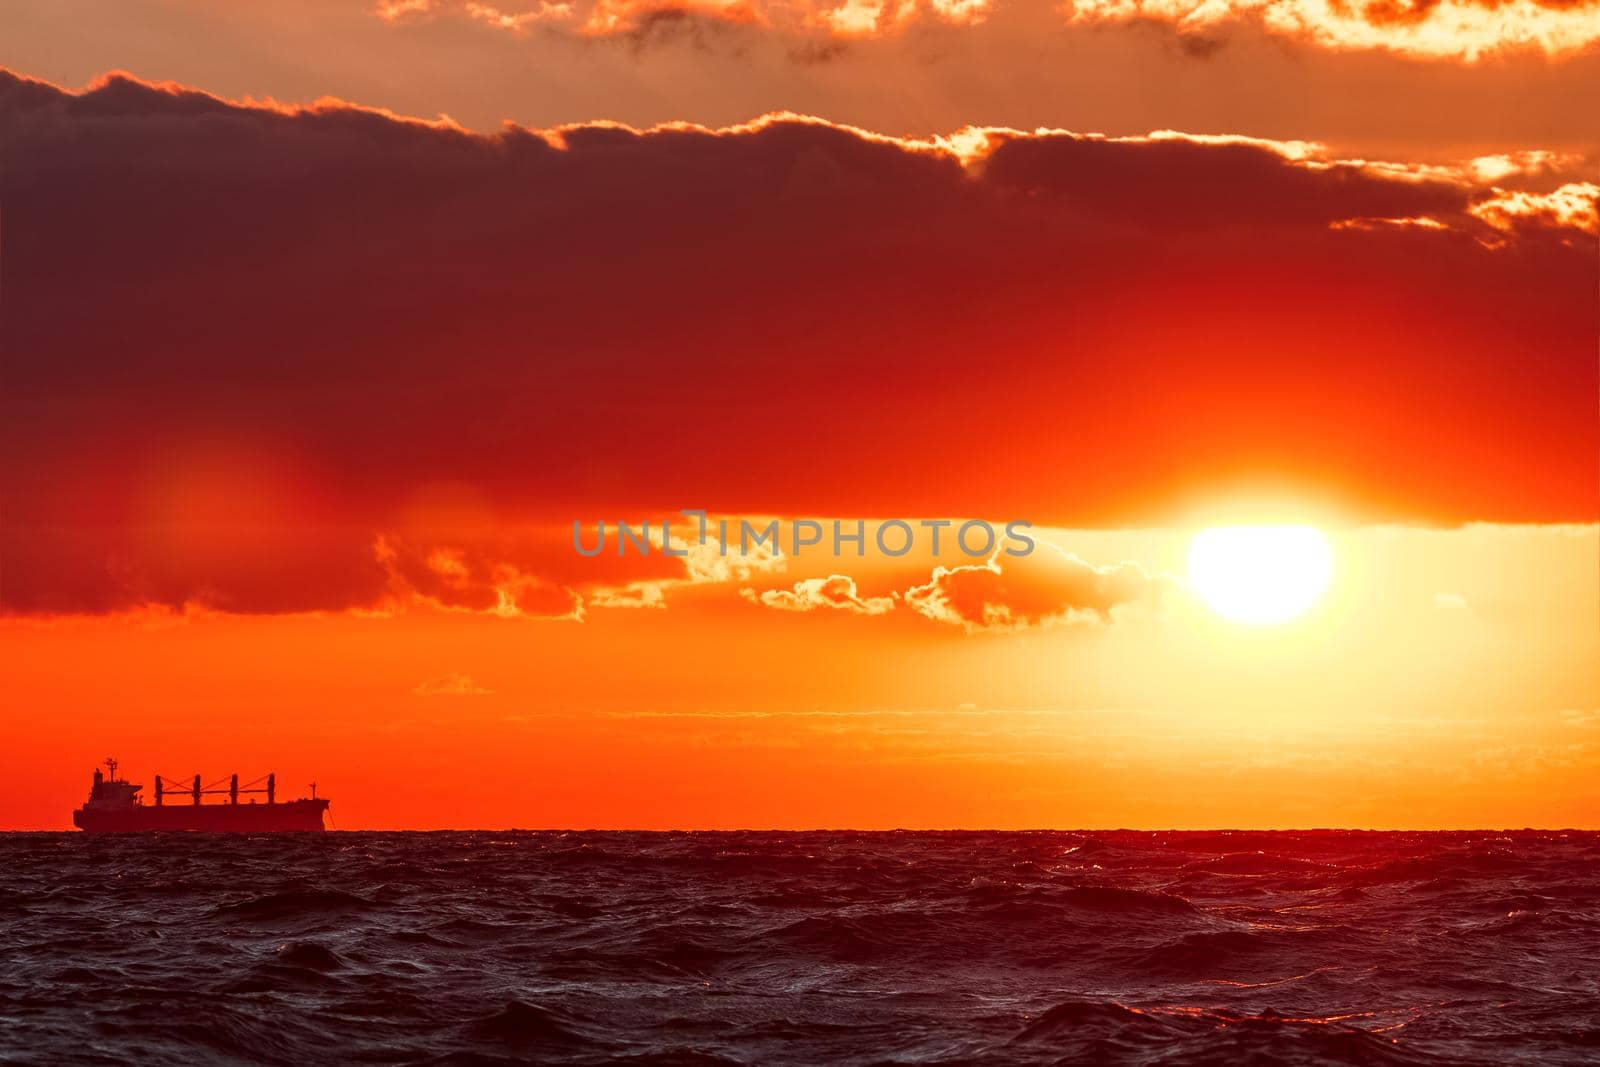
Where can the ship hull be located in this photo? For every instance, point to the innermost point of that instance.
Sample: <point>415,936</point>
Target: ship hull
<point>294,815</point>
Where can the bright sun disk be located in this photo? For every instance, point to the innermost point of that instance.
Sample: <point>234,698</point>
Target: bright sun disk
<point>1259,574</point>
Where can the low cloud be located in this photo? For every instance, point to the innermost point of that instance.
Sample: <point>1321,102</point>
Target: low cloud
<point>836,591</point>
<point>536,573</point>
<point>454,579</point>
<point>1049,586</point>
<point>1573,210</point>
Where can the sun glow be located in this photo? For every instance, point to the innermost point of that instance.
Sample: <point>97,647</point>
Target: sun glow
<point>1259,574</point>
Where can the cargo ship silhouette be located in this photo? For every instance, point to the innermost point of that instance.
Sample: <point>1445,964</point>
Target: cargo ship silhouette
<point>115,806</point>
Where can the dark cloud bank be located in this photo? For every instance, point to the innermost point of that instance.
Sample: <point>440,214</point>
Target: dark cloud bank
<point>241,343</point>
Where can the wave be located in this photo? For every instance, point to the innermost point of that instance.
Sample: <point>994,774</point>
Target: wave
<point>296,904</point>
<point>721,948</point>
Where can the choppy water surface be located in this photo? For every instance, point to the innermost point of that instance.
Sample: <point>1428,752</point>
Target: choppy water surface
<point>801,948</point>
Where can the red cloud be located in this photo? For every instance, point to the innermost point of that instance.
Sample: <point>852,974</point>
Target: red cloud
<point>242,342</point>
<point>451,579</point>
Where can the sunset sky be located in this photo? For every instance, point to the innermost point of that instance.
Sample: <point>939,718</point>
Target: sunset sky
<point>322,322</point>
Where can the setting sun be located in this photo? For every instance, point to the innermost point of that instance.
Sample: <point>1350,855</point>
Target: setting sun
<point>1259,574</point>
<point>800,531</point>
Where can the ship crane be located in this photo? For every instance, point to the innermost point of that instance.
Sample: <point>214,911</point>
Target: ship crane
<point>165,784</point>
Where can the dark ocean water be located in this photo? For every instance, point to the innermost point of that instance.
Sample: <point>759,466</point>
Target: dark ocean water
<point>807,948</point>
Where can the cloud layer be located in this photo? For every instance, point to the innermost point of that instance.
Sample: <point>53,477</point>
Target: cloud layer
<point>244,343</point>
<point>638,19</point>
<point>1465,30</point>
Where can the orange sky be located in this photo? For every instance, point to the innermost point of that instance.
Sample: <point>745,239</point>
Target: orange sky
<point>302,397</point>
<point>1449,680</point>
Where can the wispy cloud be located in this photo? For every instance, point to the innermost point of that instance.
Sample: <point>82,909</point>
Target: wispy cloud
<point>451,685</point>
<point>1468,30</point>
<point>837,591</point>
